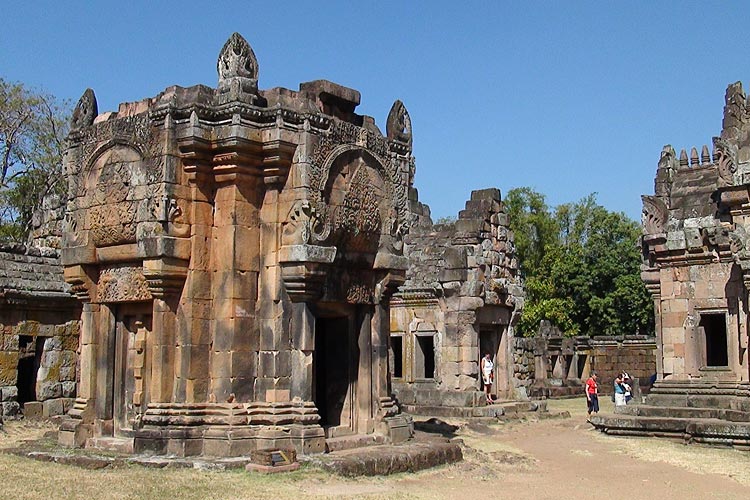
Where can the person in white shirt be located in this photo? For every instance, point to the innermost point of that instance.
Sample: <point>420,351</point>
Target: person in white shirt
<point>487,367</point>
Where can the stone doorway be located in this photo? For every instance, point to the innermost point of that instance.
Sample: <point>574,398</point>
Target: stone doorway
<point>132,322</point>
<point>494,341</point>
<point>30,351</point>
<point>335,373</point>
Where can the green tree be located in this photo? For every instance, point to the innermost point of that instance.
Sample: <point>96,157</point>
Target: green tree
<point>534,228</point>
<point>33,126</point>
<point>584,276</point>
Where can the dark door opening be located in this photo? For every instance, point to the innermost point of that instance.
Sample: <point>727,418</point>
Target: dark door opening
<point>30,351</point>
<point>424,359</point>
<point>715,330</point>
<point>397,356</point>
<point>333,371</point>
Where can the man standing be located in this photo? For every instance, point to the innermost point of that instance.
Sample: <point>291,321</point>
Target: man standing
<point>592,394</point>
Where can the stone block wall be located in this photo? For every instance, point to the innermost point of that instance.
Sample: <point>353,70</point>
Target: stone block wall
<point>50,343</point>
<point>550,365</point>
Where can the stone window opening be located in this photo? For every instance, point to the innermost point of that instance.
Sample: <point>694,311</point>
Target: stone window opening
<point>713,327</point>
<point>30,351</point>
<point>424,357</point>
<point>397,356</point>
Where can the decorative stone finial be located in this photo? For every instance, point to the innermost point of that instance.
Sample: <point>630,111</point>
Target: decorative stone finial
<point>398,127</point>
<point>237,59</point>
<point>85,111</point>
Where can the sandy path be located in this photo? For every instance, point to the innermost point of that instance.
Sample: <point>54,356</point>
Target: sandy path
<point>557,459</point>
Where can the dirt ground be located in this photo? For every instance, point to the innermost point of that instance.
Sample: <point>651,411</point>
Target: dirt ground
<point>556,458</point>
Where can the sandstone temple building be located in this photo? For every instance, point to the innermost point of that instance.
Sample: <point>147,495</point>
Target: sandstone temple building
<point>235,250</point>
<point>696,264</point>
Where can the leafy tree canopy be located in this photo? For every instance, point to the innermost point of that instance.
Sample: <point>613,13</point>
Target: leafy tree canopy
<point>33,126</point>
<point>581,265</point>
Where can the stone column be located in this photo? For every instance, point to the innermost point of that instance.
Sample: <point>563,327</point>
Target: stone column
<point>365,382</point>
<point>105,362</point>
<point>235,257</point>
<point>652,280</point>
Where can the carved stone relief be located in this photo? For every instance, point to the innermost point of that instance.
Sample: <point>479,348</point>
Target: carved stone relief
<point>111,197</point>
<point>122,283</point>
<point>398,126</point>
<point>85,111</point>
<point>654,215</point>
<point>237,59</point>
<point>305,224</point>
<point>726,160</point>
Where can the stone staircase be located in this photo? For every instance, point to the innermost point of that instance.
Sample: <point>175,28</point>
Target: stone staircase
<point>718,426</point>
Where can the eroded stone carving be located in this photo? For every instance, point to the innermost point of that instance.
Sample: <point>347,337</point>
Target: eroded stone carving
<point>85,111</point>
<point>398,126</point>
<point>122,283</point>
<point>305,224</point>
<point>237,59</point>
<point>725,153</point>
<point>654,215</point>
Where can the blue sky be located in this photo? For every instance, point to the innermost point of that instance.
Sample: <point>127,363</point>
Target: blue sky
<point>566,97</point>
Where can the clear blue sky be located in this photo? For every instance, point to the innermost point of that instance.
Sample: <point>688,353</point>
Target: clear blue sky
<point>567,97</point>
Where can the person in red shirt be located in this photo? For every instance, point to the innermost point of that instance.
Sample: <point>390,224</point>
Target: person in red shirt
<point>592,394</point>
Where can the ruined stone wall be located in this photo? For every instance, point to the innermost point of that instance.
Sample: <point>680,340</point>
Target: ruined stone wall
<point>462,282</point>
<point>551,365</point>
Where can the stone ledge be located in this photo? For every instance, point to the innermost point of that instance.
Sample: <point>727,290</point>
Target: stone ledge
<point>385,460</point>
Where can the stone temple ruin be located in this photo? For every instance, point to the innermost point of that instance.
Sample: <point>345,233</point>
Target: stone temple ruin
<point>461,297</point>
<point>250,269</point>
<point>696,264</point>
<point>235,250</point>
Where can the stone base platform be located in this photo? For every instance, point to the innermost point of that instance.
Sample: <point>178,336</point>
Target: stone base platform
<point>717,426</point>
<point>500,408</point>
<point>354,441</point>
<point>412,456</point>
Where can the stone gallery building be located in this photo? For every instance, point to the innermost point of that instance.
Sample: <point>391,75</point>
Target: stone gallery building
<point>235,251</point>
<point>696,250</point>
